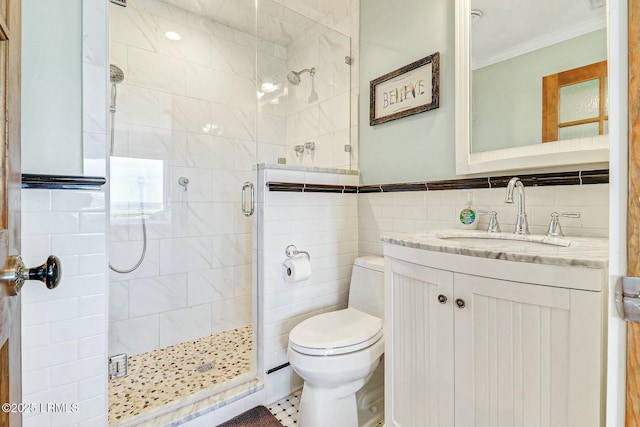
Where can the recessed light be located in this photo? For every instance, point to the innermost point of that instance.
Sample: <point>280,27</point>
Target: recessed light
<point>172,35</point>
<point>209,127</point>
<point>268,87</point>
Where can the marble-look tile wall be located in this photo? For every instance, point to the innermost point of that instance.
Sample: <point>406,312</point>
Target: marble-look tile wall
<point>191,105</point>
<point>64,331</point>
<point>319,107</point>
<point>344,17</point>
<point>421,211</point>
<point>323,109</point>
<point>325,225</point>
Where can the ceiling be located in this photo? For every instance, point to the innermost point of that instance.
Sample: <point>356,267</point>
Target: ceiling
<point>512,27</point>
<point>276,23</point>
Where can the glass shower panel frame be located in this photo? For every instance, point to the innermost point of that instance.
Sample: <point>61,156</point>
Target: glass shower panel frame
<point>303,90</point>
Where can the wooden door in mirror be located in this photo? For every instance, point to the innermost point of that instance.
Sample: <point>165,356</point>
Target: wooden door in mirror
<point>587,83</point>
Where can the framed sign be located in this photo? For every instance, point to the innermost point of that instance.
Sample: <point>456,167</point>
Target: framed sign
<point>412,89</point>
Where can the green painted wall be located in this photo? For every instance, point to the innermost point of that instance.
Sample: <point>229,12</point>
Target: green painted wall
<point>394,34</point>
<point>422,147</point>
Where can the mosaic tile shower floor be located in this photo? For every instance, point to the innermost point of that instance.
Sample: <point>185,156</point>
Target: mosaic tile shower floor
<point>164,376</point>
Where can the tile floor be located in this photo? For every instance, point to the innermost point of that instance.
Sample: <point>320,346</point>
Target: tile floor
<point>286,410</point>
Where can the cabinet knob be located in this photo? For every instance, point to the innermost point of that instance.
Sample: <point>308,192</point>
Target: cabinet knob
<point>442,299</point>
<point>460,303</point>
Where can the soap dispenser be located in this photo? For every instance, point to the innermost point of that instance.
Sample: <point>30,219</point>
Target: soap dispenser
<point>468,215</point>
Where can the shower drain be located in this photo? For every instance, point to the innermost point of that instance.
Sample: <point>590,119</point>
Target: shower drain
<point>204,368</point>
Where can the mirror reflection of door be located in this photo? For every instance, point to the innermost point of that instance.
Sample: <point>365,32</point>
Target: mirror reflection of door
<point>510,55</point>
<point>10,355</point>
<point>574,103</point>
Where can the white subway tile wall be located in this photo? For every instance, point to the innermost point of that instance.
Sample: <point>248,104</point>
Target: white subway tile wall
<point>65,330</point>
<point>325,225</point>
<point>422,211</point>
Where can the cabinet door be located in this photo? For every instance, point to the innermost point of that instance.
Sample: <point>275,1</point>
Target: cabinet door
<point>419,346</point>
<point>526,355</point>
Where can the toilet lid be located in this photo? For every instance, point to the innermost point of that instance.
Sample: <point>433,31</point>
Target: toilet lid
<point>336,332</point>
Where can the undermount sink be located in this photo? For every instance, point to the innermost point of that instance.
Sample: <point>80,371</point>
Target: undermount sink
<point>480,239</point>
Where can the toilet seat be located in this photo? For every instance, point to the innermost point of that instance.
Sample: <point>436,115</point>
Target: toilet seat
<point>336,332</point>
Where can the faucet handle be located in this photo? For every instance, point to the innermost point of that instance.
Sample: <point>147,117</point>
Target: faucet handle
<point>554,226</point>
<point>494,227</point>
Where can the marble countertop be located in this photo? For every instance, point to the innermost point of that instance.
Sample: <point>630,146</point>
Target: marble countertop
<point>592,252</point>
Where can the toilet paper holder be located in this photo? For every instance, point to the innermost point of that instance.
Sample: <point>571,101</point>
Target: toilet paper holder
<point>292,251</point>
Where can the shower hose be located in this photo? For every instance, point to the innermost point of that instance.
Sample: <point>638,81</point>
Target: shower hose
<point>144,239</point>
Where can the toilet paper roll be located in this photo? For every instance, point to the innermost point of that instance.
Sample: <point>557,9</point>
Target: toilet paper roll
<point>296,270</point>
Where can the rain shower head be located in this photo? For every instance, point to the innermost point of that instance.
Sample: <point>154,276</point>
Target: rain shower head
<point>294,76</point>
<point>116,75</point>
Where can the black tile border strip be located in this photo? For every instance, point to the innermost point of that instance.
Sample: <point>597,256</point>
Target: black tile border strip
<point>599,176</point>
<point>311,188</point>
<point>595,177</point>
<point>459,184</point>
<point>404,186</point>
<point>62,182</point>
<point>370,189</point>
<point>277,368</point>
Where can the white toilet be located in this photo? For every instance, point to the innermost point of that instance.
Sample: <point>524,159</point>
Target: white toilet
<point>336,353</point>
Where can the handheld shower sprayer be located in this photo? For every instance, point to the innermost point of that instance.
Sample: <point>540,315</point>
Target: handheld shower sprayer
<point>116,76</point>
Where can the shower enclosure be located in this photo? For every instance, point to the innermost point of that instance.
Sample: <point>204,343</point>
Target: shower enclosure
<point>205,91</point>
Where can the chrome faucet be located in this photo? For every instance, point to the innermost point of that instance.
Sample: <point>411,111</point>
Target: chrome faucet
<point>522,227</point>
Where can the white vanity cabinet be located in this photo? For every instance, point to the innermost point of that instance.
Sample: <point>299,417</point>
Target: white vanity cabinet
<point>474,342</point>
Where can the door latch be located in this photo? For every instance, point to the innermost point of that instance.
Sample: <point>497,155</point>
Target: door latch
<point>627,297</point>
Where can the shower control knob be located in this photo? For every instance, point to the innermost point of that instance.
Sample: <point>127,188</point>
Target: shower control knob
<point>442,299</point>
<point>15,273</point>
<point>184,182</point>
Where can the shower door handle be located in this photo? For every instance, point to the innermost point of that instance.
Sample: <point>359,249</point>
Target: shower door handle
<point>245,211</point>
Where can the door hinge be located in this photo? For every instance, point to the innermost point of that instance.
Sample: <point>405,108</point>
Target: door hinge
<point>627,297</point>
<point>118,366</point>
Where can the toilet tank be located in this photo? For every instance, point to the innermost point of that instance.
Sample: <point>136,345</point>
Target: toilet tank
<point>367,285</point>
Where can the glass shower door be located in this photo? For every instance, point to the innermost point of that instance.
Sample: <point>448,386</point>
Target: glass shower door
<point>184,144</point>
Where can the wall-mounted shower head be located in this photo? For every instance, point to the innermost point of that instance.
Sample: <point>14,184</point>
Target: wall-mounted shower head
<point>294,76</point>
<point>116,75</point>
